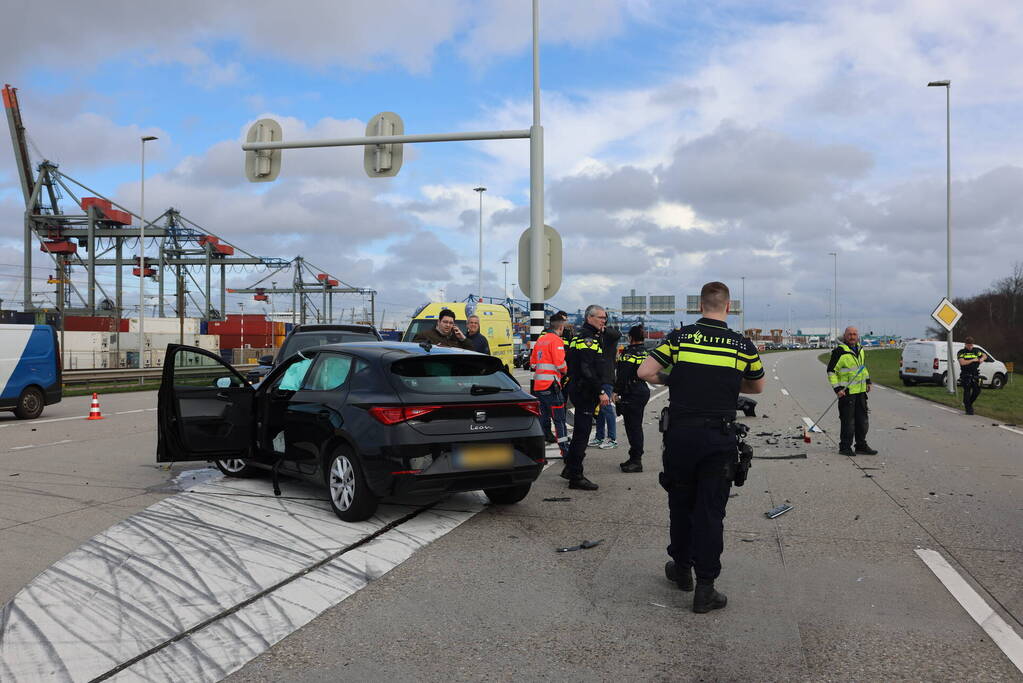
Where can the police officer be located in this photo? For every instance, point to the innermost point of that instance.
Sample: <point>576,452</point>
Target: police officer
<point>849,377</point>
<point>586,376</point>
<point>631,394</point>
<point>709,365</point>
<point>969,359</point>
<point>549,368</point>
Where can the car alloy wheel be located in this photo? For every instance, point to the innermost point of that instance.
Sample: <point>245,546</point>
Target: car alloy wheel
<point>342,483</point>
<point>350,496</point>
<point>235,467</point>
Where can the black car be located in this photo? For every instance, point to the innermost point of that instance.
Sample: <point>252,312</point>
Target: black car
<point>367,420</point>
<point>307,336</point>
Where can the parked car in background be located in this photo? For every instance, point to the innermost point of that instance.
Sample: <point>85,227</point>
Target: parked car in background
<point>310,335</point>
<point>926,361</point>
<point>365,420</point>
<point>30,370</point>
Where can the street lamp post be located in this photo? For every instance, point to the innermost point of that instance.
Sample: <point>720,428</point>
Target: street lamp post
<point>947,85</point>
<point>835,316</point>
<point>742,311</point>
<point>505,262</point>
<point>788,297</point>
<point>479,276</point>
<point>142,254</point>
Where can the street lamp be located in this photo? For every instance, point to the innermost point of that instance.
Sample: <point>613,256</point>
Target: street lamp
<point>742,309</point>
<point>505,262</point>
<point>479,277</point>
<point>142,253</point>
<point>947,85</point>
<point>788,297</point>
<point>835,317</point>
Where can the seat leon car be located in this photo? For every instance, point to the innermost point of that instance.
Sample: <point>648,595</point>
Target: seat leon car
<point>365,420</point>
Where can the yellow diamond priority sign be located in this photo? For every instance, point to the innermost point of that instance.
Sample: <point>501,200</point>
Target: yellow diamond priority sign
<point>946,314</point>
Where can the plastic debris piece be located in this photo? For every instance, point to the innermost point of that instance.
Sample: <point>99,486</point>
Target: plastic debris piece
<point>656,604</point>
<point>584,545</point>
<point>561,499</point>
<point>793,456</point>
<point>778,511</point>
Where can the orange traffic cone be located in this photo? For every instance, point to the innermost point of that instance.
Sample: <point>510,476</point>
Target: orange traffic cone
<point>94,413</point>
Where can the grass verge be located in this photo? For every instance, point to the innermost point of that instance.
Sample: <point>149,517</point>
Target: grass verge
<point>1005,404</point>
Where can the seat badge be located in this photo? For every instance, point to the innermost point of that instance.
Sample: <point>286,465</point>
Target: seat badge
<point>481,416</point>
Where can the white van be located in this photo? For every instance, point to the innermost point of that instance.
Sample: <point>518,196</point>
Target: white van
<point>927,361</point>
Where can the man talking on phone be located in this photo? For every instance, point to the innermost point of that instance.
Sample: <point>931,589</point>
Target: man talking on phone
<point>445,333</point>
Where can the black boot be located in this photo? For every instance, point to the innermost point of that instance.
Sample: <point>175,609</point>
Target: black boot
<point>582,483</point>
<point>846,450</point>
<point>705,598</point>
<point>683,581</point>
<point>865,449</point>
<point>631,465</point>
<point>565,474</point>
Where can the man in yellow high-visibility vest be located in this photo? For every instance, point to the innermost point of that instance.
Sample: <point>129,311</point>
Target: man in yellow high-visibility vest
<point>850,379</point>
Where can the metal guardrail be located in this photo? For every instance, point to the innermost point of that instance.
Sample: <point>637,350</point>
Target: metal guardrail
<point>121,375</point>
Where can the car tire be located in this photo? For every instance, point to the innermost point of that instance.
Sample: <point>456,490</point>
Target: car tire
<point>30,404</point>
<point>943,380</point>
<point>349,495</point>
<point>236,467</point>
<point>908,382</point>
<point>509,495</point>
<point>998,381</point>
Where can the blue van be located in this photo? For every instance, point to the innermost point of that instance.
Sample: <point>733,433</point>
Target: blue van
<point>29,369</point>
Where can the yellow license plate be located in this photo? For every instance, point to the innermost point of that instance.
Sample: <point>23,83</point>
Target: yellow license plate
<point>484,456</point>
<point>910,369</point>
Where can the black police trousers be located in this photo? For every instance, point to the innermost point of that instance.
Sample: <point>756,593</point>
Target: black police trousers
<point>631,409</point>
<point>585,405</point>
<point>971,390</point>
<point>852,410</point>
<point>696,475</point>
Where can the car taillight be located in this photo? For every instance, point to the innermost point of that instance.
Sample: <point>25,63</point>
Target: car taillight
<point>530,407</point>
<point>390,415</point>
<point>935,363</point>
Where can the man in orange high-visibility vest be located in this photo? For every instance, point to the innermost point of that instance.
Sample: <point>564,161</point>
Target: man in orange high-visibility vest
<point>548,362</point>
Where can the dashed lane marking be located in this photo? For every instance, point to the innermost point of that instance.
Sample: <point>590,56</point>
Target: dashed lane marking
<point>811,426</point>
<point>1007,640</point>
<point>40,445</point>
<point>785,391</point>
<point>947,410</point>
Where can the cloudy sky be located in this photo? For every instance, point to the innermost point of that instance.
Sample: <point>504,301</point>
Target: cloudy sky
<point>685,141</point>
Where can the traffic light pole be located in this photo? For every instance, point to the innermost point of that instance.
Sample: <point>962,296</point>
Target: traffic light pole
<point>536,199</point>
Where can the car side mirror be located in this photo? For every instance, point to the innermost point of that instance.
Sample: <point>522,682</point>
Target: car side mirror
<point>223,382</point>
<point>266,360</point>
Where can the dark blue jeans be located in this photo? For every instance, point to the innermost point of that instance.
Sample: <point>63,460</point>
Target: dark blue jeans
<point>552,409</point>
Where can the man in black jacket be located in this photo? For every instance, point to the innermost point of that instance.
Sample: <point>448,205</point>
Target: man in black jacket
<point>587,373</point>
<point>631,394</point>
<point>475,336</point>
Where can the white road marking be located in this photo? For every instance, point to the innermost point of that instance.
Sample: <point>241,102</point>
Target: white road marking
<point>946,409</point>
<point>776,376</point>
<point>785,392</point>
<point>64,419</point>
<point>1000,632</point>
<point>811,426</point>
<point>41,445</point>
<point>1014,431</point>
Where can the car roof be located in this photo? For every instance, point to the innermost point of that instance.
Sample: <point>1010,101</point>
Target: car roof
<point>332,328</point>
<point>381,348</point>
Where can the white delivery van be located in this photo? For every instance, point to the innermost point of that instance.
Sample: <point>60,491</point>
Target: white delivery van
<point>926,361</point>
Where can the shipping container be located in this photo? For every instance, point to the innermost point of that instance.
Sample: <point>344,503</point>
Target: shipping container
<point>165,325</point>
<point>83,323</point>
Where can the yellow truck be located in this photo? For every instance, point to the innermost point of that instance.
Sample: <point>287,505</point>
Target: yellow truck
<point>495,325</point>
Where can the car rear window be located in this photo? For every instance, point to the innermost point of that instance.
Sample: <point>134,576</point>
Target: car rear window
<point>453,374</point>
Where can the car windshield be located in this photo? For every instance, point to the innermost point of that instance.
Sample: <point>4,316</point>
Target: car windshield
<point>307,340</point>
<point>453,374</point>
<point>418,326</point>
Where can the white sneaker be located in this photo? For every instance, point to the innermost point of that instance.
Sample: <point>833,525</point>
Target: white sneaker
<point>609,443</point>
<point>595,442</point>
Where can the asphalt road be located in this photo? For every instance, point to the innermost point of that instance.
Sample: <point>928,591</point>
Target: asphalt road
<point>833,590</point>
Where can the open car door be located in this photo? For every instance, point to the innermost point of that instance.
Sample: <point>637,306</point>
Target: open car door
<point>205,408</point>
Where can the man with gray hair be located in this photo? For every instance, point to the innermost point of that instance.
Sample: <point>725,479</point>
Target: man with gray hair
<point>475,336</point>
<point>587,373</point>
